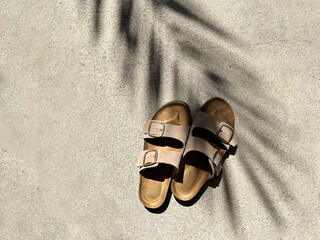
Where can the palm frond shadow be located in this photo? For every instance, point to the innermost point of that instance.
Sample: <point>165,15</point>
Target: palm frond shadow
<point>210,50</point>
<point>211,57</point>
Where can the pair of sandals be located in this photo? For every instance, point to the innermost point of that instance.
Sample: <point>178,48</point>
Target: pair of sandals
<point>166,155</point>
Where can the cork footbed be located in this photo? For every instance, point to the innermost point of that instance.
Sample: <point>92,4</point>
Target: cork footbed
<point>195,170</point>
<point>154,182</point>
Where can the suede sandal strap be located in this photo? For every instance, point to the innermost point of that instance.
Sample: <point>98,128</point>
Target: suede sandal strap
<point>160,129</point>
<point>152,158</point>
<point>223,131</point>
<point>200,145</point>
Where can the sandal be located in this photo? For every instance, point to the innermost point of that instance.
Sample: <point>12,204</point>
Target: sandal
<point>165,136</point>
<point>211,135</point>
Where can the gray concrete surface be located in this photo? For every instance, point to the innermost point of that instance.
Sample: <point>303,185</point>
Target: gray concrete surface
<point>79,78</point>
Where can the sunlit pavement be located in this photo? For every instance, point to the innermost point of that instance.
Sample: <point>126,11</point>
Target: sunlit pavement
<point>79,78</point>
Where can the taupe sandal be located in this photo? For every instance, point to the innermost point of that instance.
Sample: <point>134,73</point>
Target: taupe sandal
<point>165,136</point>
<point>211,135</point>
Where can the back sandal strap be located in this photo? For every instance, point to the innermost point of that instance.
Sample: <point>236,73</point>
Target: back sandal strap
<point>152,158</point>
<point>223,131</point>
<point>160,129</point>
<point>200,145</point>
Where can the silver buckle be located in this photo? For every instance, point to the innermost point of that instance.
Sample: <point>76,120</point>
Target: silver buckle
<point>221,139</point>
<point>162,129</point>
<point>145,164</point>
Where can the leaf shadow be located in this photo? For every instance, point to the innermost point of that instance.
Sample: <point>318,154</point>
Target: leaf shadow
<point>97,18</point>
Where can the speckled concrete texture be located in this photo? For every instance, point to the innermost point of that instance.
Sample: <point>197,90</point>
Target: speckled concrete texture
<point>78,79</point>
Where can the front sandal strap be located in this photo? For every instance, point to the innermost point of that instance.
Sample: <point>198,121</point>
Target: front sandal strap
<point>223,131</point>
<point>160,129</point>
<point>152,158</point>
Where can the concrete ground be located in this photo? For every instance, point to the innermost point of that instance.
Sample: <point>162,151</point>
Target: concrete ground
<point>79,78</point>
